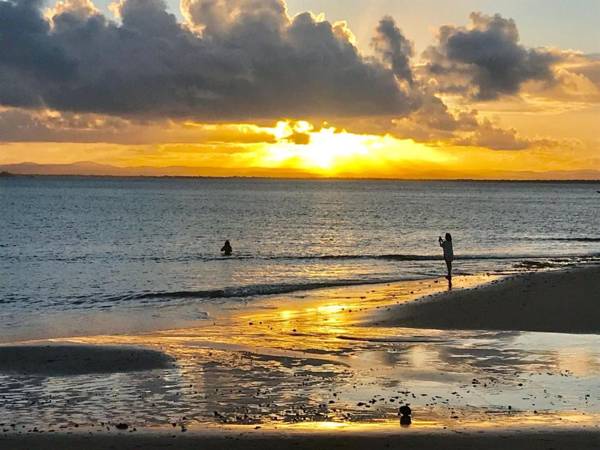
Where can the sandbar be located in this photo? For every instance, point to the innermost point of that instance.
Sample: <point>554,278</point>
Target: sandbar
<point>562,301</point>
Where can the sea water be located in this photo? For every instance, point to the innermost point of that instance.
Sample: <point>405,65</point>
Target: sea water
<point>73,243</point>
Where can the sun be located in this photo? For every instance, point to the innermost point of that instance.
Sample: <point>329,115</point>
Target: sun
<point>328,148</point>
<point>323,151</point>
<point>330,151</point>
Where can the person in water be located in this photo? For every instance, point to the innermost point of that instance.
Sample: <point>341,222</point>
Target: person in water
<point>227,250</point>
<point>446,244</point>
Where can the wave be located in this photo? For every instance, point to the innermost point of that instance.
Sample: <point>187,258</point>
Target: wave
<point>334,257</point>
<point>259,290</point>
<point>382,257</point>
<point>577,239</point>
<point>561,239</point>
<point>242,291</point>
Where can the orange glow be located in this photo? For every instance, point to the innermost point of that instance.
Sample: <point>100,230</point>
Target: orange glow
<point>333,152</point>
<point>300,149</point>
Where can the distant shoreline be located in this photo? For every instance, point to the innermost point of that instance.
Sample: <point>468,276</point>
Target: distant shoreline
<point>315,178</point>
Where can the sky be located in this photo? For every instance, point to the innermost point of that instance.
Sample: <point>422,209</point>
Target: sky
<point>303,88</point>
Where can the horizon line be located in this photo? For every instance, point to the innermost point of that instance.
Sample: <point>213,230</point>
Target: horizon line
<point>307,178</point>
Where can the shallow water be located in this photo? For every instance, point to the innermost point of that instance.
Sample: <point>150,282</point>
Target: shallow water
<point>105,247</point>
<point>308,359</point>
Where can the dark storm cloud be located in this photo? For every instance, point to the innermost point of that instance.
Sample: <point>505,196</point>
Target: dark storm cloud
<point>486,59</point>
<point>245,59</point>
<point>29,56</point>
<point>394,48</point>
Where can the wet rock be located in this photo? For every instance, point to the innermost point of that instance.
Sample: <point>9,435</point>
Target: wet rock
<point>121,426</point>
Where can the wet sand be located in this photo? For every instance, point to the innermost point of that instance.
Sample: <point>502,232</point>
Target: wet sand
<point>69,359</point>
<point>307,371</point>
<point>257,440</point>
<point>565,301</point>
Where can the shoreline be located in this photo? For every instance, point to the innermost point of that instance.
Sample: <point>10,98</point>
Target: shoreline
<point>124,321</point>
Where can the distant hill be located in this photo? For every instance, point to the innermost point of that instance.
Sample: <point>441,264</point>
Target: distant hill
<point>88,168</point>
<point>80,168</point>
<point>6,174</point>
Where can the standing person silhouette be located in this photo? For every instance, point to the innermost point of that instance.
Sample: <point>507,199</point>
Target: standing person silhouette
<point>227,250</point>
<point>446,244</point>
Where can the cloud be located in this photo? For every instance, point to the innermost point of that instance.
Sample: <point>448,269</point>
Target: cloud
<point>432,123</point>
<point>435,124</point>
<point>81,9</point>
<point>588,66</point>
<point>394,47</point>
<point>226,18</point>
<point>19,125</point>
<point>492,137</point>
<point>72,75</point>
<point>30,58</point>
<point>237,60</point>
<point>578,80</point>
<point>486,60</point>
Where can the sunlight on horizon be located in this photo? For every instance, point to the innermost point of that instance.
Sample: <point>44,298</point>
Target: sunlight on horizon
<point>331,152</point>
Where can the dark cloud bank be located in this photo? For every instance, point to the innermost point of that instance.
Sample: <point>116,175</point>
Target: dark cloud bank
<point>247,60</point>
<point>250,60</point>
<point>486,60</point>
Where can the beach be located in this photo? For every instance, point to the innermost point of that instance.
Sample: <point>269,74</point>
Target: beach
<point>323,368</point>
<point>562,302</point>
<point>299,224</point>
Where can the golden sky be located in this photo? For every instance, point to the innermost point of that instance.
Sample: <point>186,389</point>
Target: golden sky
<point>246,90</point>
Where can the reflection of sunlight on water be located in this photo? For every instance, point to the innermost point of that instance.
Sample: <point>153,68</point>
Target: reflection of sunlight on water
<point>328,425</point>
<point>516,421</point>
<point>577,361</point>
<point>330,309</point>
<point>421,357</point>
<point>374,426</point>
<point>287,315</point>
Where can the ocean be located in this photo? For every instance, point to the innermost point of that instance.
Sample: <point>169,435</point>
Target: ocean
<point>79,243</point>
